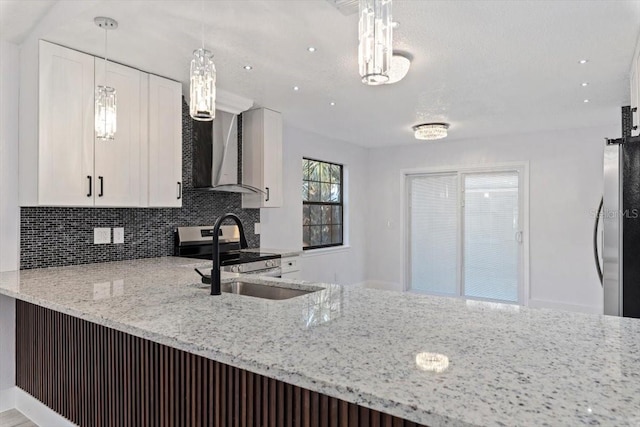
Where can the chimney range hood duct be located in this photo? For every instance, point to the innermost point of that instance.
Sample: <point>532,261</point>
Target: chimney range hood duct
<point>215,155</point>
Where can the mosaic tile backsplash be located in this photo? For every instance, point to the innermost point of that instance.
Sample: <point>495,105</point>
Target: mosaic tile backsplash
<point>55,236</point>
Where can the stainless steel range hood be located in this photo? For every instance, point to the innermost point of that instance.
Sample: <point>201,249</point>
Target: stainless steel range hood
<point>215,155</point>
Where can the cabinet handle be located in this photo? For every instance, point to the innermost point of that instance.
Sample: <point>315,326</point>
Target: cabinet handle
<point>101,186</point>
<point>179,190</point>
<point>90,185</point>
<point>267,199</point>
<point>633,110</point>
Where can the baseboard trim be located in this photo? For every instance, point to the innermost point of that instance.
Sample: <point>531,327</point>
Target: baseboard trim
<point>37,411</point>
<point>555,305</point>
<point>7,399</point>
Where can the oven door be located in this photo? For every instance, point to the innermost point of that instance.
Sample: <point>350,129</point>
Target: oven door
<point>268,272</point>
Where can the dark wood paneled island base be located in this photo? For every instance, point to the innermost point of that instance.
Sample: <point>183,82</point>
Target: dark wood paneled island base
<point>96,376</point>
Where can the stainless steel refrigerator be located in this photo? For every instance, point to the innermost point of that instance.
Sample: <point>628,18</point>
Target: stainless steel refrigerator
<point>620,272</point>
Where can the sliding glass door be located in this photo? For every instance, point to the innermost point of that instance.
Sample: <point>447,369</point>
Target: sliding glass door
<point>434,233</point>
<point>465,234</point>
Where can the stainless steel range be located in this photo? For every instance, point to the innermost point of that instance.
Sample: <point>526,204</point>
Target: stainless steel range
<point>197,242</point>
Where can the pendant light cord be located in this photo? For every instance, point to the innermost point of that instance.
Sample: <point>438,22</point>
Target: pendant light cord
<point>202,22</point>
<point>105,56</point>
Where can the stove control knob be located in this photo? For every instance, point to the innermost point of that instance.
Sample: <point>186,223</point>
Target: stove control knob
<point>235,269</point>
<point>270,264</point>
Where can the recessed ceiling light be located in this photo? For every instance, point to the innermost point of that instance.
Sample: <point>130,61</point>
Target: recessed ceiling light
<point>311,49</point>
<point>332,103</point>
<point>584,61</point>
<point>296,88</point>
<point>584,84</point>
<point>585,101</point>
<point>430,131</point>
<point>248,67</point>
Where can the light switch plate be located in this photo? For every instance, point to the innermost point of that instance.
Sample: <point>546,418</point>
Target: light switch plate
<point>118,235</point>
<point>256,228</point>
<point>101,236</point>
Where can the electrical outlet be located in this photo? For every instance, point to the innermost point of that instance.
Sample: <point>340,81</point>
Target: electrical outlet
<point>256,228</point>
<point>101,236</point>
<point>118,235</point>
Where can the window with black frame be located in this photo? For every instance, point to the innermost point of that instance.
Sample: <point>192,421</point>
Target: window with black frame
<point>322,204</point>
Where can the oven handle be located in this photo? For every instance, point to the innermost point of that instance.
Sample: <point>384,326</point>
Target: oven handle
<point>268,272</point>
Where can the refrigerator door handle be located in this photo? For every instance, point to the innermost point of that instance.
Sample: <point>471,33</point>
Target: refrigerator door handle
<point>595,242</point>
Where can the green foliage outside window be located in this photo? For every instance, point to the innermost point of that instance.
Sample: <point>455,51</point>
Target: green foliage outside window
<point>322,204</point>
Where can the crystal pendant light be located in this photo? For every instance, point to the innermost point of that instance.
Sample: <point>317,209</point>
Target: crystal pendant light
<point>203,86</point>
<point>203,83</point>
<point>431,131</point>
<point>375,35</point>
<point>105,108</point>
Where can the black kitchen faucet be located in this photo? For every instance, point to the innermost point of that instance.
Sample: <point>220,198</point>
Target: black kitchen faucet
<point>215,271</point>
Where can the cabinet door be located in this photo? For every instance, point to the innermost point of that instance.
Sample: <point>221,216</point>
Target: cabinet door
<point>262,157</point>
<point>165,142</point>
<point>117,161</point>
<point>290,267</point>
<point>65,126</point>
<point>272,153</point>
<point>635,94</point>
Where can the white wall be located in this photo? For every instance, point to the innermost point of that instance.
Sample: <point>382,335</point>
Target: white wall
<point>565,186</point>
<point>282,227</point>
<point>9,103</point>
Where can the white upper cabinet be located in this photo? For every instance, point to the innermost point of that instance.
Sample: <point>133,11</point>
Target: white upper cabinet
<point>62,163</point>
<point>262,157</point>
<point>165,143</point>
<point>117,161</point>
<point>64,154</point>
<point>635,91</point>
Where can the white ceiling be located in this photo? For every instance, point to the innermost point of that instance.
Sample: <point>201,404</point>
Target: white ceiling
<point>486,67</point>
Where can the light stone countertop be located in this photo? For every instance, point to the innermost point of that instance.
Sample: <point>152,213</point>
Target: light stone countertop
<point>508,365</point>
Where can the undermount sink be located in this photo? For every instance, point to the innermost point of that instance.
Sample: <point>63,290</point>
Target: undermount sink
<point>263,291</point>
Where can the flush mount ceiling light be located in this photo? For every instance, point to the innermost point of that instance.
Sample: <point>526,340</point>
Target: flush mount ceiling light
<point>400,64</point>
<point>375,41</point>
<point>431,131</point>
<point>433,362</point>
<point>203,82</point>
<point>105,108</point>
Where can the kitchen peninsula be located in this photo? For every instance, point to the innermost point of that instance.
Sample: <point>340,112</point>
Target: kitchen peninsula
<point>342,351</point>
